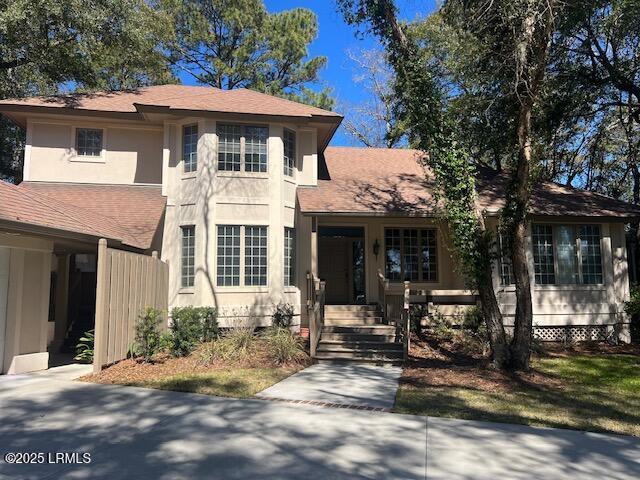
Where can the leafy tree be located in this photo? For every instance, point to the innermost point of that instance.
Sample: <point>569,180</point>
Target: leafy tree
<point>50,46</point>
<point>421,103</point>
<point>238,44</point>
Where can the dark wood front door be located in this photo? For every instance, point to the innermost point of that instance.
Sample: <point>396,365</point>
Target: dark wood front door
<point>334,268</point>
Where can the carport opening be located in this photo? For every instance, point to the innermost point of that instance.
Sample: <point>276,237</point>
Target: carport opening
<point>72,304</point>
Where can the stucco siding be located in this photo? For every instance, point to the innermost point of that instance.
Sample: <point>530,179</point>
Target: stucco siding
<point>131,154</point>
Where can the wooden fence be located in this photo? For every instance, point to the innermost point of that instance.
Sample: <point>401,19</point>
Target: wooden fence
<point>126,284</point>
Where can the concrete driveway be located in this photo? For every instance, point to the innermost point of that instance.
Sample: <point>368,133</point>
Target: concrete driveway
<point>140,433</point>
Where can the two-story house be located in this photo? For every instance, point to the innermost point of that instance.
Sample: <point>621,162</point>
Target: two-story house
<point>248,205</point>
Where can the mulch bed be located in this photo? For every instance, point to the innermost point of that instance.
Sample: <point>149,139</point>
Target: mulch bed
<point>136,371</point>
<point>436,363</point>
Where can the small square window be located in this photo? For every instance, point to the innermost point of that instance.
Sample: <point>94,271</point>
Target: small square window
<point>89,142</point>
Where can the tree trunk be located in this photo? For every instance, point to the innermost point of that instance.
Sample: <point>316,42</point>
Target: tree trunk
<point>521,345</point>
<point>493,321</point>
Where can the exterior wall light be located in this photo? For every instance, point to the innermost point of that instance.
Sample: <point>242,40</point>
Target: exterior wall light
<point>376,248</point>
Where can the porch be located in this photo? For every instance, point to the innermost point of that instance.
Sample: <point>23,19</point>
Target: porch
<point>368,272</point>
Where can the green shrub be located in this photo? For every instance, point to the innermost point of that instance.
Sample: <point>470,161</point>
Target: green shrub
<point>209,319</point>
<point>166,340</point>
<point>417,312</point>
<point>284,346</point>
<point>190,326</point>
<point>283,316</point>
<point>148,333</point>
<point>85,346</point>
<point>632,308</point>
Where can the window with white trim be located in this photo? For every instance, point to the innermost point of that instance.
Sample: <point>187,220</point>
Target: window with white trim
<point>228,271</point>
<point>188,255</point>
<point>234,239</point>
<point>289,256</point>
<point>190,148</point>
<point>242,148</point>
<point>89,142</point>
<point>411,254</point>
<point>567,254</point>
<point>289,141</point>
<point>255,256</point>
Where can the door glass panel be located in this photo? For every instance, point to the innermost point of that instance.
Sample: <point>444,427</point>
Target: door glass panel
<point>358,272</point>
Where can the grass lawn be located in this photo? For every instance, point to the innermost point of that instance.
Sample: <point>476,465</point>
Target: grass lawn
<point>233,382</point>
<point>585,389</point>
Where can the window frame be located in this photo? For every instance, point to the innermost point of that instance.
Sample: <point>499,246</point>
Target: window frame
<point>285,165</point>
<point>79,157</point>
<point>419,240</point>
<point>242,280</point>
<point>182,145</point>
<point>577,243</point>
<point>289,270</point>
<point>187,285</point>
<point>243,151</point>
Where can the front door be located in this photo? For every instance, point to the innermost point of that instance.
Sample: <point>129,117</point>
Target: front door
<point>334,268</point>
<point>341,264</point>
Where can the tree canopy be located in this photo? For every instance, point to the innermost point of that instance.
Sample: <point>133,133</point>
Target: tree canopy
<point>239,44</point>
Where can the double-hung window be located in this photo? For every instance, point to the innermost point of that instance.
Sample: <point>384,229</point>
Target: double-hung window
<point>89,142</point>
<point>190,148</point>
<point>242,148</point>
<point>506,269</point>
<point>232,241</point>
<point>289,140</point>
<point>188,256</point>
<point>411,254</point>
<point>567,254</point>
<point>289,256</point>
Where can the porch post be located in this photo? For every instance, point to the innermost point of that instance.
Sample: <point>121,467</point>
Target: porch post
<point>314,246</point>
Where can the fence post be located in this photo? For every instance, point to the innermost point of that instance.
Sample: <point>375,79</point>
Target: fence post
<point>102,304</point>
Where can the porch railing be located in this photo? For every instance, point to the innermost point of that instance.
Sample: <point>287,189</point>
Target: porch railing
<point>315,310</point>
<point>394,301</point>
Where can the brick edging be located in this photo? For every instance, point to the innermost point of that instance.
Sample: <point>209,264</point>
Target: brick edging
<point>326,404</point>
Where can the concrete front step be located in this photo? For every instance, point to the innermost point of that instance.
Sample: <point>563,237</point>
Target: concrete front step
<point>366,361</point>
<point>347,314</point>
<point>384,357</point>
<point>359,329</point>
<point>358,345</point>
<point>354,321</point>
<point>350,308</point>
<point>357,337</point>
<point>349,353</point>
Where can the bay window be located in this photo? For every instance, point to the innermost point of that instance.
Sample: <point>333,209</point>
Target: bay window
<point>242,148</point>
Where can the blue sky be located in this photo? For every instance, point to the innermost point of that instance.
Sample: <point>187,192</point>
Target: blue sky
<point>335,38</point>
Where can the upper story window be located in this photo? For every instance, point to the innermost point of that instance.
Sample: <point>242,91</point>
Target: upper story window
<point>242,148</point>
<point>289,140</point>
<point>190,148</point>
<point>89,142</point>
<point>411,254</point>
<point>567,254</point>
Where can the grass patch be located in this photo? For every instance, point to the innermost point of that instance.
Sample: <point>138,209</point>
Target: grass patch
<point>578,390</point>
<point>236,383</point>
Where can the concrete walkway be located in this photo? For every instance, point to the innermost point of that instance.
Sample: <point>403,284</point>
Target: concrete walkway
<point>149,434</point>
<point>342,384</point>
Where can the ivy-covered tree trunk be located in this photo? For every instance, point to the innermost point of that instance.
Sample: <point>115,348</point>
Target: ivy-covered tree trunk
<point>531,52</point>
<point>431,130</point>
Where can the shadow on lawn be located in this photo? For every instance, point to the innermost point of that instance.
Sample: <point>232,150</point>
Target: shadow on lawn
<point>596,393</point>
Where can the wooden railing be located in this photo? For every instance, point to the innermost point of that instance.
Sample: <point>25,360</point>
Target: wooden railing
<point>315,310</point>
<point>395,306</point>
